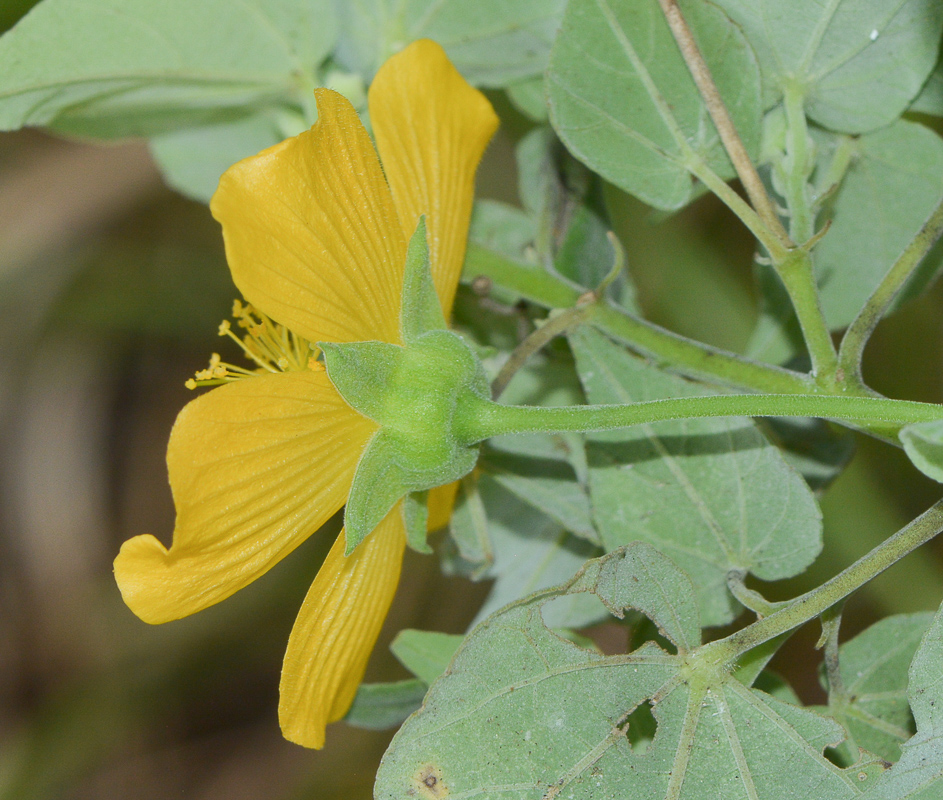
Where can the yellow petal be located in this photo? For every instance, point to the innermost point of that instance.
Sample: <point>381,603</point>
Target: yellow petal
<point>441,502</point>
<point>336,629</point>
<point>255,466</point>
<point>431,129</point>
<point>311,234</point>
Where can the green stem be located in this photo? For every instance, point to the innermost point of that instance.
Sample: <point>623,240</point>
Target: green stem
<point>812,604</point>
<point>863,325</point>
<point>483,418</point>
<point>732,142</point>
<point>801,218</point>
<point>796,274</point>
<point>553,327</point>
<point>693,358</point>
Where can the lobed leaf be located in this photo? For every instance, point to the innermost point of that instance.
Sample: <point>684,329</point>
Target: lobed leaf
<point>873,702</point>
<point>526,714</point>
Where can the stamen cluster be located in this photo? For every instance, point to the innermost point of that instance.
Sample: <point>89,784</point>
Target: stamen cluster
<point>270,346</point>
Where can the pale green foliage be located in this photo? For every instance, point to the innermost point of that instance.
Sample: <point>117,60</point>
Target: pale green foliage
<point>872,701</point>
<point>859,63</point>
<point>923,442</point>
<point>524,713</point>
<point>868,233</point>
<point>426,654</point>
<point>919,773</point>
<point>624,103</point>
<point>713,494</point>
<point>137,67</point>
<point>676,514</point>
<point>492,42</point>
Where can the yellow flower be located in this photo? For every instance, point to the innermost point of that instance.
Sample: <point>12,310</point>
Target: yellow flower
<point>316,240</point>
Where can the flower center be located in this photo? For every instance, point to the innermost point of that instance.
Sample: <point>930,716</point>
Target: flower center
<point>270,346</point>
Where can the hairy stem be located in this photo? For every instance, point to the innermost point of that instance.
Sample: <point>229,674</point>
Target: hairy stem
<point>553,327</point>
<point>693,358</point>
<point>732,142</point>
<point>483,418</point>
<point>796,274</point>
<point>863,325</point>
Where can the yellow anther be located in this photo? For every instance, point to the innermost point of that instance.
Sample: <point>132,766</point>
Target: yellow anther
<point>314,364</point>
<point>190,384</point>
<point>224,327</point>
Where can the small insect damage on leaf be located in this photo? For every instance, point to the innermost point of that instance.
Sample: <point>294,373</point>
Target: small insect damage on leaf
<point>427,783</point>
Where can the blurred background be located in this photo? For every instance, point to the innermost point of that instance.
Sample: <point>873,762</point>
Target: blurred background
<point>111,289</point>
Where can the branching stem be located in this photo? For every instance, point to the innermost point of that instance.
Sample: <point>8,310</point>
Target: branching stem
<point>814,603</point>
<point>732,142</point>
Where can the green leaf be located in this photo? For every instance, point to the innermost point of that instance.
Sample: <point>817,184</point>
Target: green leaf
<point>923,442</point>
<point>873,702</point>
<point>503,228</point>
<point>137,67</point>
<point>529,97</point>
<point>468,529</point>
<point>919,773</point>
<point>930,99</point>
<point>193,159</point>
<point>530,552</point>
<point>491,42</point>
<point>859,63</point>
<point>713,494</point>
<point>624,103</point>
<point>421,311</point>
<point>893,185</point>
<point>426,654</point>
<point>381,706</point>
<point>523,713</point>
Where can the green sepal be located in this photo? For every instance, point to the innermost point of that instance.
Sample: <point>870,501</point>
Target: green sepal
<point>416,519</point>
<point>360,371</point>
<point>378,483</point>
<point>415,394</point>
<point>421,310</point>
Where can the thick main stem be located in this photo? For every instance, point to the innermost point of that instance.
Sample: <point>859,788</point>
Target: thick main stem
<point>482,419</point>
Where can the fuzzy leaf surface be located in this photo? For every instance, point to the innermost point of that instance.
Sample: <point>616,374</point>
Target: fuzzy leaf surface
<point>528,715</point>
<point>892,187</point>
<point>859,63</point>
<point>873,706</point>
<point>136,67</point>
<point>624,103</point>
<point>919,773</point>
<point>491,42</point>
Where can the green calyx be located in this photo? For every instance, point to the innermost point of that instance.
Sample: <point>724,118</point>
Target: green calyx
<point>414,392</point>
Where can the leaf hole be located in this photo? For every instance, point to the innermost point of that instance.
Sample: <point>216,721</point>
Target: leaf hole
<point>640,728</point>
